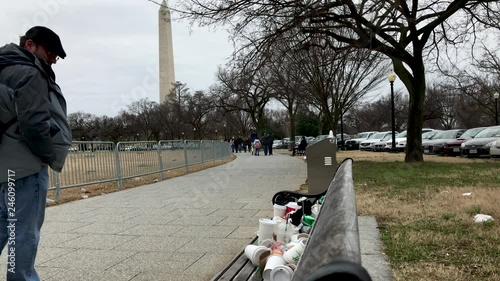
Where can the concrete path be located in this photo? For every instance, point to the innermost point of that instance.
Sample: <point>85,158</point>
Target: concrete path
<point>185,228</point>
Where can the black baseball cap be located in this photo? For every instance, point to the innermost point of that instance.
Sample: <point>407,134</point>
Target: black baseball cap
<point>48,38</point>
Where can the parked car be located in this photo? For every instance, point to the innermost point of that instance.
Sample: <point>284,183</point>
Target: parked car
<point>452,148</point>
<point>279,144</point>
<point>380,145</point>
<point>435,145</point>
<point>353,143</point>
<point>340,142</point>
<point>401,140</point>
<point>480,145</point>
<point>377,137</point>
<point>286,142</point>
<point>428,135</point>
<point>495,149</point>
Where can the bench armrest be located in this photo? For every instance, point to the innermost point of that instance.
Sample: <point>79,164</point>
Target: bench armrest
<point>285,196</point>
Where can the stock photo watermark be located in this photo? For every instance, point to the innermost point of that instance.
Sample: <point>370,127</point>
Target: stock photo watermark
<point>46,10</point>
<point>11,227</point>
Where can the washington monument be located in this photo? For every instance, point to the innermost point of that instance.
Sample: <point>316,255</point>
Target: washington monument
<point>167,73</point>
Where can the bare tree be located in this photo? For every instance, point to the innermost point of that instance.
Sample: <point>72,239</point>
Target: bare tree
<point>407,32</point>
<point>242,89</point>
<point>441,104</point>
<point>142,111</point>
<point>288,85</point>
<point>83,126</point>
<point>198,109</point>
<point>339,80</point>
<point>375,116</point>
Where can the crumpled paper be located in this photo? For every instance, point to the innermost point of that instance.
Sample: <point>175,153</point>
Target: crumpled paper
<point>479,218</point>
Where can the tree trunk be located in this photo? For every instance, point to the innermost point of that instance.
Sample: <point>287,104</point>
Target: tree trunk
<point>291,115</point>
<point>416,115</point>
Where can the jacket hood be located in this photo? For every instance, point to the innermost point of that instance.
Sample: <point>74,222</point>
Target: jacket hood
<point>12,54</point>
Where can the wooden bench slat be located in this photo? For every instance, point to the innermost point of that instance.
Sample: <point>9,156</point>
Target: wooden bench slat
<point>255,276</point>
<point>245,272</point>
<point>235,266</point>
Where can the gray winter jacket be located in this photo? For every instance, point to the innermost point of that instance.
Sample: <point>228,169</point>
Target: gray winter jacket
<point>41,135</point>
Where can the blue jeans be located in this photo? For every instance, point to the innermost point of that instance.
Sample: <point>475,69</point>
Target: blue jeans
<point>22,211</point>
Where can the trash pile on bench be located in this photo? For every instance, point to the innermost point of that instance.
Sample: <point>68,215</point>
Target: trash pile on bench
<point>282,239</point>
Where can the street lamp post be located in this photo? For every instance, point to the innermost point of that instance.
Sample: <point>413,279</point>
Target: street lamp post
<point>182,135</point>
<point>194,133</point>
<point>392,77</point>
<point>496,95</point>
<point>215,134</point>
<point>225,132</point>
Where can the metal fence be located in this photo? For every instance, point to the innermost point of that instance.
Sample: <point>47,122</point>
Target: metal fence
<point>93,162</point>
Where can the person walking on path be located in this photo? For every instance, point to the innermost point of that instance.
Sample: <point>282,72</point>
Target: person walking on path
<point>253,137</point>
<point>271,142</point>
<point>265,143</point>
<point>233,144</point>
<point>257,146</point>
<point>35,134</point>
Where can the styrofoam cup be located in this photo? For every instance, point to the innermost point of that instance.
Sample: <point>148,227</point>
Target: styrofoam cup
<point>293,254</point>
<point>292,207</point>
<point>267,243</point>
<point>279,210</point>
<point>253,252</point>
<point>296,237</point>
<point>272,262</point>
<point>281,273</point>
<point>266,229</point>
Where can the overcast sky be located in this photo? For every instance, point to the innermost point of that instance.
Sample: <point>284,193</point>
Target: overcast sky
<point>112,49</point>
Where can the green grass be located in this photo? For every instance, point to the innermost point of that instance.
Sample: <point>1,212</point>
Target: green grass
<point>427,227</point>
<point>406,179</point>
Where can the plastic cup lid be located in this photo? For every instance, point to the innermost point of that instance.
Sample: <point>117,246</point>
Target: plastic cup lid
<point>281,273</point>
<point>267,221</point>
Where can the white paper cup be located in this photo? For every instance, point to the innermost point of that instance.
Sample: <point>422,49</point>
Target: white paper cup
<point>266,229</point>
<point>267,243</point>
<point>279,210</point>
<point>292,207</point>
<point>296,237</point>
<point>253,252</point>
<point>293,254</point>
<point>281,273</point>
<point>281,236</point>
<point>272,262</point>
<point>291,231</point>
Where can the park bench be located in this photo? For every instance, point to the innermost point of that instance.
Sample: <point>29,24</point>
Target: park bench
<point>333,249</point>
<point>298,150</point>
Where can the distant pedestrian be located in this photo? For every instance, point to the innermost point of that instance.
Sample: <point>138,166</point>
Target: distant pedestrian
<point>232,144</point>
<point>265,143</point>
<point>239,144</point>
<point>257,146</point>
<point>271,142</point>
<point>253,137</point>
<point>302,146</point>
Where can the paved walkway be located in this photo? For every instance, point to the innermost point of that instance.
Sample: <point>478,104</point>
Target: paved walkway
<point>185,228</point>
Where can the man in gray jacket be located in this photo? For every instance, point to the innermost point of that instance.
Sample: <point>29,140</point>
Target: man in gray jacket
<point>34,135</point>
